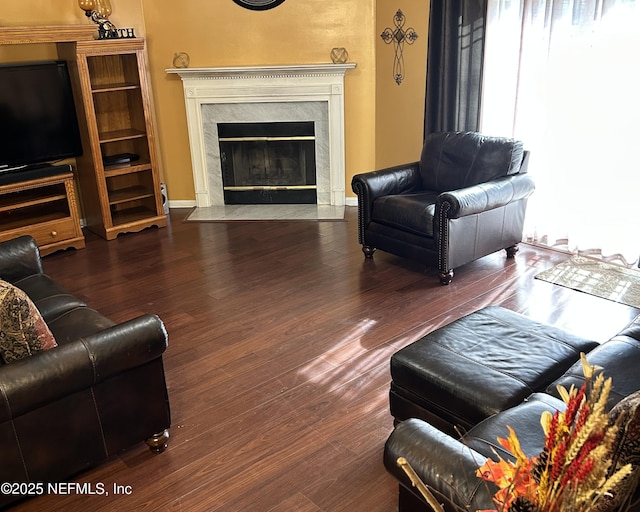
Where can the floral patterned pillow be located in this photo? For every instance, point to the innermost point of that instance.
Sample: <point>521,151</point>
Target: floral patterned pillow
<point>626,450</point>
<point>23,331</point>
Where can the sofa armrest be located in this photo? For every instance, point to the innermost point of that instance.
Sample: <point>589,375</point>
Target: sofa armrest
<point>47,376</point>
<point>445,465</point>
<point>19,257</point>
<point>126,345</point>
<point>485,196</point>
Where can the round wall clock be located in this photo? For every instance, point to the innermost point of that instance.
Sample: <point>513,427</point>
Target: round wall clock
<point>259,5</point>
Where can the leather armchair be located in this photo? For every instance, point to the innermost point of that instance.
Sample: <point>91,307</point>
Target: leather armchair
<point>465,198</point>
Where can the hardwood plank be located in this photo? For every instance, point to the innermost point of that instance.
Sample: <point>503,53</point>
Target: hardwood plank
<point>298,502</point>
<point>280,335</point>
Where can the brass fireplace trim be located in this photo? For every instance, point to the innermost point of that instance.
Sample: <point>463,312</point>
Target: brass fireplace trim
<point>265,139</point>
<point>272,187</point>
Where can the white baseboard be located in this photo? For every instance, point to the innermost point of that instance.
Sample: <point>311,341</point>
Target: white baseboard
<point>182,204</point>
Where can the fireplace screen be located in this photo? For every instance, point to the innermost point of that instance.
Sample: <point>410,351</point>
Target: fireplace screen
<point>268,162</point>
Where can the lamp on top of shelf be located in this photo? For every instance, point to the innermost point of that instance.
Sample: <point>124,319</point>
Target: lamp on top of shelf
<point>104,8</point>
<point>86,6</point>
<point>99,12</point>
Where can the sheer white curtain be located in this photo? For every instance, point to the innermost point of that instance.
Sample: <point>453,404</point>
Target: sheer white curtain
<point>564,77</point>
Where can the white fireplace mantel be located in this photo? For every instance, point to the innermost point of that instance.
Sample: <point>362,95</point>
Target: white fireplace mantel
<point>278,90</point>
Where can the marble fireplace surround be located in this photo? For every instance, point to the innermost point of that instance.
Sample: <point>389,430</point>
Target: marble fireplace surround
<point>310,92</point>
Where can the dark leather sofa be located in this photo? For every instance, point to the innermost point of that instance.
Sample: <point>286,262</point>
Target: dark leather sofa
<point>446,451</point>
<point>465,198</point>
<point>101,390</point>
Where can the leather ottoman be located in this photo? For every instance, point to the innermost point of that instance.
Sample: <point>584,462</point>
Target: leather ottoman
<point>477,366</point>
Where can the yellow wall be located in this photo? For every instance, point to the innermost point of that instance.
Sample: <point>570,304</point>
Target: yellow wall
<point>383,120</point>
<point>400,108</point>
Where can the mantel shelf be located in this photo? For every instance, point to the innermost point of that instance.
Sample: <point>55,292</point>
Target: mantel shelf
<point>47,34</point>
<point>299,70</point>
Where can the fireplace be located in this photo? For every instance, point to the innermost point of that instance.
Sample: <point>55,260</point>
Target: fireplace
<point>268,162</point>
<point>310,95</point>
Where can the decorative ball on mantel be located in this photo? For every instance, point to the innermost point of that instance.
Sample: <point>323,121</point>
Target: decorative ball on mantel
<point>181,60</point>
<point>339,55</point>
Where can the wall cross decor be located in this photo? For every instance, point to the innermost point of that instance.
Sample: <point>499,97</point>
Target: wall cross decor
<point>399,36</point>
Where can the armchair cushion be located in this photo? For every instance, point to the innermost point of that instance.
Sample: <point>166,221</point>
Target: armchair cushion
<point>454,160</point>
<point>409,212</point>
<point>23,331</point>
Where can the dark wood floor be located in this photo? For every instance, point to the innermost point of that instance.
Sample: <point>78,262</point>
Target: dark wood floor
<point>277,367</point>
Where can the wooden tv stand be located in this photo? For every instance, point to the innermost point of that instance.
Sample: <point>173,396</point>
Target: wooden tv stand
<point>45,208</point>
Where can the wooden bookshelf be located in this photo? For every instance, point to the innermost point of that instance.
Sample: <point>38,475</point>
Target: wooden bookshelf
<point>114,99</point>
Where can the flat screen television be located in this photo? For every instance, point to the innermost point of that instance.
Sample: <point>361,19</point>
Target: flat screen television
<point>38,122</point>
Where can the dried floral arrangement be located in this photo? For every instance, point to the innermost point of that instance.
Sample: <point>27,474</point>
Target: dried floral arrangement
<point>584,465</point>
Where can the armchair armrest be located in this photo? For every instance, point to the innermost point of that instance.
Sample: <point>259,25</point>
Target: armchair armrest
<point>485,196</point>
<point>19,257</point>
<point>445,465</point>
<point>47,376</point>
<point>384,182</point>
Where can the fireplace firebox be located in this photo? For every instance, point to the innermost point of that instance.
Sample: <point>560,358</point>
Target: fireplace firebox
<point>270,162</point>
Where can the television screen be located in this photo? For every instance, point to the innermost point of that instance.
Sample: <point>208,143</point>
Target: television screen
<point>38,121</point>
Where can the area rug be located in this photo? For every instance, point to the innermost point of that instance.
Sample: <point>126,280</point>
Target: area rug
<point>283,212</point>
<point>612,282</point>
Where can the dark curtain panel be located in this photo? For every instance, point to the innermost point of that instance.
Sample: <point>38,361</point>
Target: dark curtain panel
<point>454,65</point>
